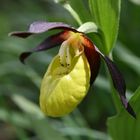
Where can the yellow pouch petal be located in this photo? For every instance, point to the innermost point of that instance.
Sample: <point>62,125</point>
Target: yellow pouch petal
<point>62,89</point>
<point>67,79</point>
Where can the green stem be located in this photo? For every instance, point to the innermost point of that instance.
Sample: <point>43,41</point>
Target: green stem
<point>73,13</point>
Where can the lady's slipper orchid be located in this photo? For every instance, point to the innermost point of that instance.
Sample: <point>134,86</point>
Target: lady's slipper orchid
<point>72,70</point>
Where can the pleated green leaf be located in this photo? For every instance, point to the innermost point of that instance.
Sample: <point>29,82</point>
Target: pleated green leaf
<point>123,126</point>
<point>106,14</point>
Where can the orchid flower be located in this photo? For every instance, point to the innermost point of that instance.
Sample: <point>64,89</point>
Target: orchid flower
<point>72,71</point>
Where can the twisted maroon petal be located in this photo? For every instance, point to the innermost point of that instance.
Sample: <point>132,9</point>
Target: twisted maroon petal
<point>48,43</point>
<point>118,82</point>
<point>93,58</point>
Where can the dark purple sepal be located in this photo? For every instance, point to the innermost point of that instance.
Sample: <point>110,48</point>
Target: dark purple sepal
<point>21,34</point>
<point>24,55</point>
<point>41,27</point>
<point>119,84</point>
<point>50,42</point>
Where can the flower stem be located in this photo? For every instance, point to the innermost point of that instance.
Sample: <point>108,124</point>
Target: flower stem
<point>73,13</point>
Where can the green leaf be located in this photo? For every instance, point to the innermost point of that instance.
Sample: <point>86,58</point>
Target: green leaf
<point>27,106</point>
<point>137,2</point>
<point>73,13</point>
<point>77,8</point>
<point>78,131</point>
<point>81,7</point>
<point>123,126</point>
<point>39,123</point>
<point>88,27</point>
<point>106,14</point>
<point>128,57</point>
<point>45,131</point>
<point>15,118</point>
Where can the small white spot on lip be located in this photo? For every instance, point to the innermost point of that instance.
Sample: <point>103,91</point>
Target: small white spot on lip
<point>68,77</point>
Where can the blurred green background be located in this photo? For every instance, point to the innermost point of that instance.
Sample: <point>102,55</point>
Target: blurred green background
<point>20,116</point>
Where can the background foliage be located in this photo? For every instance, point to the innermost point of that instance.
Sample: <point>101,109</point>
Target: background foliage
<point>20,116</point>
